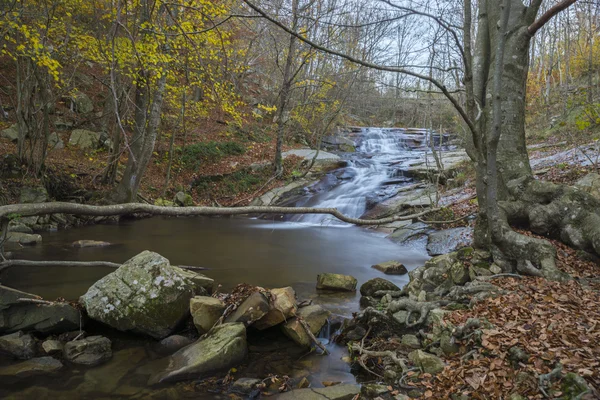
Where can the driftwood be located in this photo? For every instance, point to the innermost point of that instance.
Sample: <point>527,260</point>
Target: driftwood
<point>27,210</point>
<point>106,264</point>
<point>311,336</point>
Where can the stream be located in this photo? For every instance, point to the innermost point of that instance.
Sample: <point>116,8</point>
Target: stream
<point>235,250</point>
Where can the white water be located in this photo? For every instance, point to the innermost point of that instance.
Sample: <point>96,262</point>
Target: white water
<point>381,154</point>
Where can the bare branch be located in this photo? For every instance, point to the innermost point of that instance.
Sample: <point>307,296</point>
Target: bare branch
<point>547,16</point>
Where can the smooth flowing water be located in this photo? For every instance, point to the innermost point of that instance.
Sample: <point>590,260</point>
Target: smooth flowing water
<point>235,250</point>
<point>374,172</point>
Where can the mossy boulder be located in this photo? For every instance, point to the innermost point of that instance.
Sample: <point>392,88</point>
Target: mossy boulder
<point>85,139</point>
<point>372,286</point>
<point>427,362</point>
<point>145,295</point>
<point>328,281</point>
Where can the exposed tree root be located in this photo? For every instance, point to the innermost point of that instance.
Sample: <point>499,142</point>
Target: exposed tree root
<point>389,354</point>
<point>422,308</point>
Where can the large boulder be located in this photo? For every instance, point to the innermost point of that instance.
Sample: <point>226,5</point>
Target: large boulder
<point>252,309</point>
<point>145,295</point>
<point>449,240</point>
<point>25,239</point>
<point>337,392</point>
<point>206,311</point>
<point>18,345</point>
<point>329,281</point>
<point>90,351</point>
<point>82,104</point>
<point>16,315</point>
<point>314,316</point>
<point>223,347</point>
<point>590,184</point>
<point>372,286</point>
<point>37,194</point>
<point>283,306</point>
<point>85,139</point>
<point>11,133</point>
<point>33,367</point>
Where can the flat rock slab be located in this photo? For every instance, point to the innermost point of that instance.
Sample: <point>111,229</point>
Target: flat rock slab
<point>309,154</point>
<point>337,392</point>
<point>449,240</point>
<point>33,367</point>
<point>43,318</point>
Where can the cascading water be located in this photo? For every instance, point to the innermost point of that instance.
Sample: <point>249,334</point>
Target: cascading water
<point>372,172</point>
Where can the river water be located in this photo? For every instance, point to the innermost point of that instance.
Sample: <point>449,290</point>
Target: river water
<point>235,250</point>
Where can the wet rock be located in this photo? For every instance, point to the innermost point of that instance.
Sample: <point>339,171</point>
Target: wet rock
<point>245,385</point>
<point>90,243</point>
<point>391,268</point>
<point>372,286</point>
<point>411,232</point>
<point>19,227</point>
<point>274,195</point>
<point>81,102</point>
<point>449,240</point>
<point>427,362</point>
<point>25,239</point>
<point>145,295</point>
<point>18,345</point>
<point>90,351</point>
<point>252,309</point>
<point>171,344</point>
<point>373,390</point>
<point>205,311</point>
<point>337,392</point>
<point>323,159</point>
<point>418,198</point>
<point>222,348</point>
<point>53,347</point>
<point>340,282</point>
<point>84,139</point>
<point>11,133</point>
<point>33,367</point>
<point>356,334</point>
<point>283,307</point>
<point>183,199</point>
<point>411,341</point>
<point>368,301</point>
<point>315,317</point>
<point>37,194</point>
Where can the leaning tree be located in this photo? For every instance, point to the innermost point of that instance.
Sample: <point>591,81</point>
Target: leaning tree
<point>494,51</point>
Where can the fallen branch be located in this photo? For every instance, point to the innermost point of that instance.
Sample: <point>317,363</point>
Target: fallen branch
<point>27,210</point>
<point>93,264</point>
<point>311,336</point>
<point>446,222</point>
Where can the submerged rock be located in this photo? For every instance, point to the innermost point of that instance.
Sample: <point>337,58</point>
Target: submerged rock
<point>449,240</point>
<point>370,287</point>
<point>205,311</point>
<point>90,243</point>
<point>245,385</point>
<point>222,348</point>
<point>171,344</point>
<point>341,282</point>
<point>145,295</point>
<point>43,318</point>
<point>90,351</point>
<point>18,345</point>
<point>391,268</point>
<point>283,306</point>
<point>32,367</point>
<point>252,309</point>
<point>337,392</point>
<point>315,317</point>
